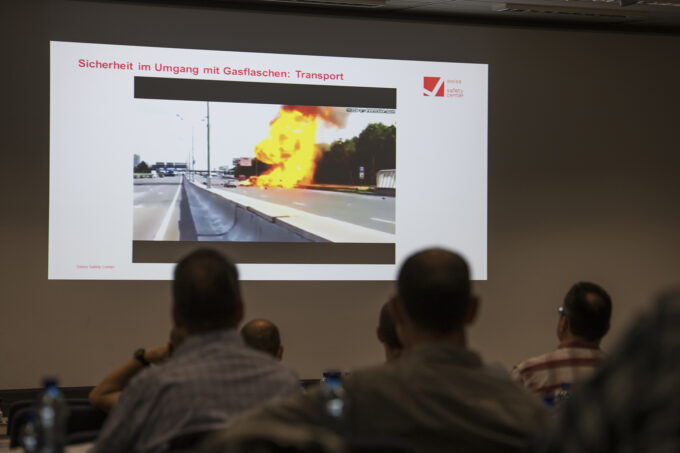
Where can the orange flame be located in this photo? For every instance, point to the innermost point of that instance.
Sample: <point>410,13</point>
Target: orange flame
<point>291,145</point>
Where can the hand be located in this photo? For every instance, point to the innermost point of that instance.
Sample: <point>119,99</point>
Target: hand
<point>157,355</point>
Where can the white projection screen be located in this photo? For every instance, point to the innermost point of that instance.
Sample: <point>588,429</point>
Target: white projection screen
<point>321,168</point>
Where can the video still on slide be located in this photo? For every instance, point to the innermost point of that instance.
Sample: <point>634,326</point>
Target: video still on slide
<point>241,172</point>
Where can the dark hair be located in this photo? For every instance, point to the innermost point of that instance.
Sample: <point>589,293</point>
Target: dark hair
<point>588,308</point>
<point>388,331</point>
<point>262,335</point>
<point>434,286</point>
<point>206,291</point>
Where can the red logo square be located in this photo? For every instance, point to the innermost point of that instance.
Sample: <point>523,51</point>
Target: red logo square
<point>433,86</point>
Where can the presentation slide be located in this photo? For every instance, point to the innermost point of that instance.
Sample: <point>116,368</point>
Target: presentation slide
<point>297,167</point>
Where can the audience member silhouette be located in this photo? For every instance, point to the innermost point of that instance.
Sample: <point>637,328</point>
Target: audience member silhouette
<point>632,402</point>
<point>583,321</point>
<point>264,336</point>
<point>210,378</point>
<point>438,397</point>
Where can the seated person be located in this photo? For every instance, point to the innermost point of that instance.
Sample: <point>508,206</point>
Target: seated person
<point>438,397</point>
<point>210,378</point>
<point>263,335</point>
<point>632,402</point>
<point>584,320</point>
<point>105,395</point>
<point>387,334</point>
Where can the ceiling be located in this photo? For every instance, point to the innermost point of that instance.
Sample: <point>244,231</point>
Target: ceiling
<point>640,15</point>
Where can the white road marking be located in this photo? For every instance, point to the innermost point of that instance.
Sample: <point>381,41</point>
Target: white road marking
<point>383,220</point>
<point>163,230</point>
<point>298,203</point>
<point>137,206</point>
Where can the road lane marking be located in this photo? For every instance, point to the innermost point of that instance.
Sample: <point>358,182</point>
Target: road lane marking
<point>137,206</point>
<point>383,220</point>
<point>298,203</point>
<point>163,230</point>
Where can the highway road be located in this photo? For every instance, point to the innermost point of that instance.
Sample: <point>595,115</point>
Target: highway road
<point>156,206</point>
<point>370,211</point>
<point>155,214</point>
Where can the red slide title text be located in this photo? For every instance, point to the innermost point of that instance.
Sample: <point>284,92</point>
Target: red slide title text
<point>212,70</point>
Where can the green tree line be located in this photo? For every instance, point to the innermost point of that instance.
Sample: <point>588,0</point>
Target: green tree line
<point>375,148</point>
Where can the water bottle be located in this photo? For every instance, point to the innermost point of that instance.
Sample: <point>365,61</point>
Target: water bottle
<point>335,404</point>
<point>53,415</point>
<point>563,394</point>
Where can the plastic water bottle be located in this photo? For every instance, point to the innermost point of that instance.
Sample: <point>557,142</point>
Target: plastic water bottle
<point>563,394</point>
<point>53,415</point>
<point>335,404</point>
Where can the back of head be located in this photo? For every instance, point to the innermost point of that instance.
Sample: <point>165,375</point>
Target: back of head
<point>588,309</point>
<point>434,286</point>
<point>206,292</point>
<point>262,335</point>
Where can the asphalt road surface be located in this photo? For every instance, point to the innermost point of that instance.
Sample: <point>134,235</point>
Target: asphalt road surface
<point>371,211</point>
<point>155,214</point>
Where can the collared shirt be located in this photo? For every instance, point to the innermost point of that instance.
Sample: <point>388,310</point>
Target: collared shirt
<point>632,403</point>
<point>210,378</point>
<point>436,398</point>
<point>570,363</point>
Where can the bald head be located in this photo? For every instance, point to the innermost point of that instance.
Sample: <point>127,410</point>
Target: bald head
<point>434,287</point>
<point>588,309</point>
<point>263,335</point>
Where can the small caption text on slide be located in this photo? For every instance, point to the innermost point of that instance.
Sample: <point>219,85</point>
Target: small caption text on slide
<point>85,63</point>
<point>94,266</point>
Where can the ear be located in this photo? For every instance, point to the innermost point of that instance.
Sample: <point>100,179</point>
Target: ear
<point>397,310</point>
<point>472,309</point>
<point>562,327</point>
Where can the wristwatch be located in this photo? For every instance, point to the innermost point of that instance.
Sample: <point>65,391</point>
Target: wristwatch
<point>139,355</point>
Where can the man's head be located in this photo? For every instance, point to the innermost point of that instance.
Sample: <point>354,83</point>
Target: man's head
<point>387,334</point>
<point>206,293</point>
<point>585,313</point>
<point>433,297</point>
<point>264,336</point>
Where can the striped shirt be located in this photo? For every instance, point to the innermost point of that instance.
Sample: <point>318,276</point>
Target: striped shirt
<point>633,401</point>
<point>571,362</point>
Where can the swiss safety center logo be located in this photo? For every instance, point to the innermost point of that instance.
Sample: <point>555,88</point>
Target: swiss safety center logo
<point>438,87</point>
<point>433,86</point>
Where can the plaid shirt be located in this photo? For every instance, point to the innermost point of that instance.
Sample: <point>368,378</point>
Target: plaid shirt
<point>571,362</point>
<point>211,378</point>
<point>632,403</point>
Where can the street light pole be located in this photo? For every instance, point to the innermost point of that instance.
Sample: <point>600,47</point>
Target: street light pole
<point>193,161</point>
<point>207,106</point>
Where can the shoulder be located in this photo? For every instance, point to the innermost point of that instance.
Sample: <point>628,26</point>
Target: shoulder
<point>536,362</point>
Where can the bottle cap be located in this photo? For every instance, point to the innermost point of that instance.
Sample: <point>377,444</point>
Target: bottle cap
<point>50,382</point>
